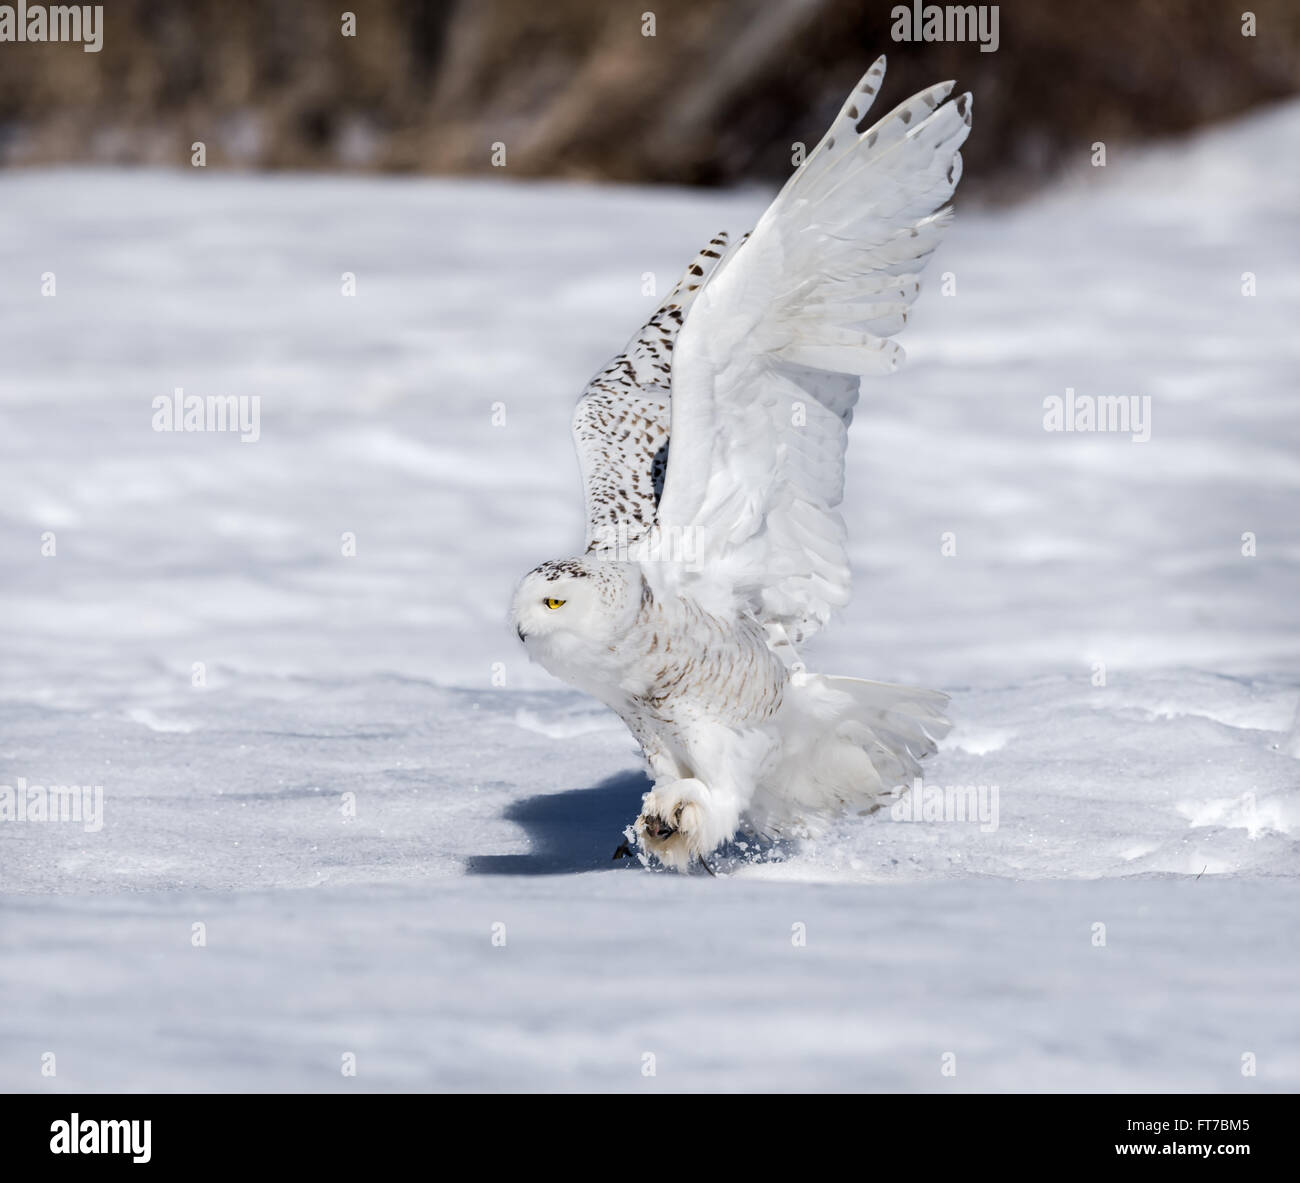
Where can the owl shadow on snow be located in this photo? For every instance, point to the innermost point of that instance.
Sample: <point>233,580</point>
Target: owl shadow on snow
<point>577,830</point>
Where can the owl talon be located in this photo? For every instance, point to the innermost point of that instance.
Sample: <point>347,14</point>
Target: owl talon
<point>671,825</point>
<point>660,829</point>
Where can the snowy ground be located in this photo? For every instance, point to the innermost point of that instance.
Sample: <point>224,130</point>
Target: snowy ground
<point>1164,804</point>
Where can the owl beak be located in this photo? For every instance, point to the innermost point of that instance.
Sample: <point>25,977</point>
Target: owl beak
<point>520,631</point>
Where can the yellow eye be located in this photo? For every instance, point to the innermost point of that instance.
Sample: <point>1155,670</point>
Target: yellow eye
<point>552,604</point>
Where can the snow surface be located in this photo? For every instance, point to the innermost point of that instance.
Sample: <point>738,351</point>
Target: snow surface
<point>1164,805</point>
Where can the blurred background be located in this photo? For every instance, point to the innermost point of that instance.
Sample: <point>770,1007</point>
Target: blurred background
<point>575,89</point>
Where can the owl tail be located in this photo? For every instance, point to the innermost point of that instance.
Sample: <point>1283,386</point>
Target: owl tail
<point>848,745</point>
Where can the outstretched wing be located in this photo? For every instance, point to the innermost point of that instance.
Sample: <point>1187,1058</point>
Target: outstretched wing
<point>766,368</point>
<point>621,423</point>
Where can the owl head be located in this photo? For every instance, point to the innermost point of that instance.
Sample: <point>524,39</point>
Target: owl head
<point>569,612</point>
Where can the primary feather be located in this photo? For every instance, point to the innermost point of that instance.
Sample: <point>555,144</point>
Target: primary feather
<point>766,369</point>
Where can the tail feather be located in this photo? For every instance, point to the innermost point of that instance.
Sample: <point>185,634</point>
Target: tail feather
<point>848,745</point>
<point>915,715</point>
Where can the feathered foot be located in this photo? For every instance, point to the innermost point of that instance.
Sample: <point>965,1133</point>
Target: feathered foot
<point>675,824</point>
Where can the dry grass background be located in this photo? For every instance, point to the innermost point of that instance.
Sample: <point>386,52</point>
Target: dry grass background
<point>573,88</point>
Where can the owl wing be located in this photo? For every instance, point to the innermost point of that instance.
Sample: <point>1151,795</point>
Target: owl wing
<point>621,423</point>
<point>767,364</point>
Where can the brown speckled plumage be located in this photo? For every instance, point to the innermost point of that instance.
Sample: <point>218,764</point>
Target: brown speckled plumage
<point>622,422</point>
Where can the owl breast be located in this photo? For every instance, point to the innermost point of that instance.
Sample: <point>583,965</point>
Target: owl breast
<point>696,665</point>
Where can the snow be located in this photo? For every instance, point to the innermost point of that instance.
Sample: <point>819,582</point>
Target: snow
<point>1163,804</point>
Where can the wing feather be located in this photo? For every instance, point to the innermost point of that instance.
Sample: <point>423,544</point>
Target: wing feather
<point>766,368</point>
<point>621,422</point>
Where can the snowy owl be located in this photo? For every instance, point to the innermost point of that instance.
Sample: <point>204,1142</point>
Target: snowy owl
<point>712,455</point>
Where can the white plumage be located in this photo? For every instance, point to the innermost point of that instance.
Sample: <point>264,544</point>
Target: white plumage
<point>712,453</point>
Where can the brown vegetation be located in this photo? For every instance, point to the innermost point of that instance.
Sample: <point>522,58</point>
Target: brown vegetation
<point>573,88</point>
